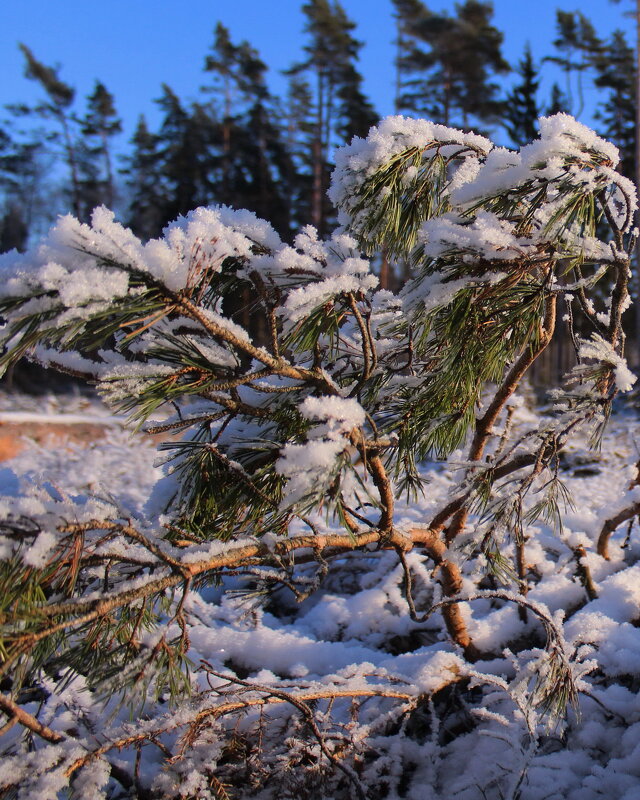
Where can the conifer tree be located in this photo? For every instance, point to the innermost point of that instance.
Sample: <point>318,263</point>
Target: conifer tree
<point>269,192</point>
<point>13,228</point>
<point>297,452</point>
<point>521,109</point>
<point>223,63</point>
<point>57,106</point>
<point>558,102</point>
<point>355,113</point>
<point>478,96</point>
<point>622,89</point>
<point>634,13</point>
<point>579,47</point>
<point>20,184</point>
<point>99,125</point>
<point>144,182</point>
<point>449,61</point>
<point>338,102</point>
<point>249,157</point>
<point>185,141</point>
<point>410,56</point>
<point>298,131</point>
<point>615,66</point>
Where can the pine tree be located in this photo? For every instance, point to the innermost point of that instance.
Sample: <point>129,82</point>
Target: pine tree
<point>20,183</point>
<point>521,109</point>
<point>239,89</point>
<point>270,165</point>
<point>249,156</point>
<point>294,456</point>
<point>13,228</point>
<point>579,47</point>
<point>355,113</point>
<point>616,71</point>
<point>60,97</point>
<point>411,57</point>
<point>298,132</point>
<point>450,62</point>
<point>185,142</point>
<point>222,62</point>
<point>144,181</point>
<point>478,97</point>
<point>338,102</point>
<point>558,102</point>
<point>100,124</point>
<point>634,13</point>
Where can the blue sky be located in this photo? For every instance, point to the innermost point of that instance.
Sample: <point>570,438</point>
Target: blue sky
<point>135,45</point>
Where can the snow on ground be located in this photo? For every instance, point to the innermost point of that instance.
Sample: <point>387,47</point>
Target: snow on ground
<point>356,630</point>
<point>116,464</point>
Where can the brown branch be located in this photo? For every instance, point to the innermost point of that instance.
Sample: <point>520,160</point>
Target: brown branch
<point>274,697</point>
<point>453,619</point>
<point>307,712</point>
<point>80,611</point>
<point>484,425</point>
<point>584,573</point>
<point>505,433</point>
<point>611,524</point>
<point>521,566</point>
<point>237,406</point>
<point>278,365</point>
<point>265,389</point>
<point>367,345</point>
<point>620,289</point>
<point>235,556</point>
<point>372,345</point>
<point>592,316</point>
<point>133,533</point>
<point>383,484</point>
<point>183,423</point>
<point>510,384</point>
<point>451,576</point>
<point>232,383</point>
<point>14,711</point>
<point>618,298</point>
<point>8,725</point>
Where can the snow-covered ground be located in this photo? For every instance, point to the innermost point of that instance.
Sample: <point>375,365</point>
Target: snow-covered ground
<point>355,633</point>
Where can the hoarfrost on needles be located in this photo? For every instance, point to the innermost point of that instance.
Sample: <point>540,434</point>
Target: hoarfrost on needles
<point>598,349</point>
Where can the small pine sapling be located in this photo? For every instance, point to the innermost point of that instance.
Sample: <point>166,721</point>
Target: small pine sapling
<point>297,448</point>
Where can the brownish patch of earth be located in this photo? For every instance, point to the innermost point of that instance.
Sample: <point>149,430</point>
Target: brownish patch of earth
<point>15,436</point>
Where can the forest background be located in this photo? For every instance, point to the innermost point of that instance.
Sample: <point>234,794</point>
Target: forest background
<point>260,138</point>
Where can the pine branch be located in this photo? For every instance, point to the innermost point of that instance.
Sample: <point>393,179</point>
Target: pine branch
<point>14,711</point>
<point>611,524</point>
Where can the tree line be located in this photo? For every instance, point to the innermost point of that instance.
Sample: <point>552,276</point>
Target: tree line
<point>240,144</point>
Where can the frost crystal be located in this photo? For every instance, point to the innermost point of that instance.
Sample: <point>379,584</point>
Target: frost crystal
<point>600,350</point>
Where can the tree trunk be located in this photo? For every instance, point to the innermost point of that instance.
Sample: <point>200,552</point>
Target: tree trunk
<point>109,194</point>
<point>317,160</point>
<point>73,166</point>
